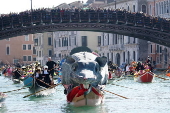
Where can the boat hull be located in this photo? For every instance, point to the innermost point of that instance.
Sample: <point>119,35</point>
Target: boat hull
<point>17,81</point>
<point>144,77</point>
<point>42,91</point>
<point>93,98</point>
<point>28,81</point>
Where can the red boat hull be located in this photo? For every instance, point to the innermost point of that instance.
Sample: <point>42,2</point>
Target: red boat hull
<point>145,77</point>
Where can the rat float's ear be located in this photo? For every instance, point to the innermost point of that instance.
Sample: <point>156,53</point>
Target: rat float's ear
<point>69,60</point>
<point>102,61</point>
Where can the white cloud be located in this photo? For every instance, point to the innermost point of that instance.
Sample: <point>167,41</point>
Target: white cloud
<point>8,6</point>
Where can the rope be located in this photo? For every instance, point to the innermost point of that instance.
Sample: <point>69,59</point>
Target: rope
<point>41,90</point>
<point>116,94</point>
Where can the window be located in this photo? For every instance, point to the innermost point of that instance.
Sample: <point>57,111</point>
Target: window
<point>75,42</point>
<point>55,45</point>
<point>134,56</point>
<point>157,9</point>
<point>99,40</point>
<point>59,43</point>
<point>15,61</point>
<point>24,47</point>
<point>160,49</point>
<point>84,40</point>
<point>36,42</point>
<point>157,59</point>
<point>7,50</point>
<point>69,40</point>
<point>49,53</point>
<point>151,48</point>
<point>116,40</point>
<point>107,56</point>
<point>34,50</point>
<point>150,10</point>
<point>157,49</point>
<point>39,53</point>
<point>144,8</point>
<point>133,8</point>
<point>108,38</point>
<point>124,57</point>
<point>29,47</point>
<point>24,58</point>
<point>128,39</point>
<point>26,37</point>
<point>34,59</point>
<point>29,58</point>
<point>134,40</point>
<point>49,41</point>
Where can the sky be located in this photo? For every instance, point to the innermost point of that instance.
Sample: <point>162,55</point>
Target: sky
<point>7,6</point>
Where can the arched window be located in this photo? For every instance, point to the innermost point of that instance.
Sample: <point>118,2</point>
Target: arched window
<point>144,8</point>
<point>118,59</point>
<point>150,10</point>
<point>7,50</point>
<point>157,9</point>
<point>128,8</point>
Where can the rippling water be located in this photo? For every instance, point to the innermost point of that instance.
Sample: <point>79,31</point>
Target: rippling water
<point>143,97</point>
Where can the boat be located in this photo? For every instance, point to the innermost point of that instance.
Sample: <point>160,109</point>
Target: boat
<point>144,76</point>
<point>78,97</point>
<point>168,74</point>
<point>2,97</point>
<point>16,81</point>
<point>35,86</point>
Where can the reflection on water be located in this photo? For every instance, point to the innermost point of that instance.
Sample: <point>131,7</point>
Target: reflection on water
<point>143,98</point>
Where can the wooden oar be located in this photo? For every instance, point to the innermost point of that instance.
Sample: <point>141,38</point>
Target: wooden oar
<point>161,77</point>
<point>43,82</point>
<point>123,86</point>
<point>15,90</point>
<point>19,88</point>
<point>41,90</point>
<point>119,79</point>
<point>116,94</point>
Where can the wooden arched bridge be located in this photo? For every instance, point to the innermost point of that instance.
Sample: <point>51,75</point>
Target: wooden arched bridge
<point>122,22</point>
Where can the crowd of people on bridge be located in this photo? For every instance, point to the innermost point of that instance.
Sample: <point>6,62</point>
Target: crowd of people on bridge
<point>92,15</point>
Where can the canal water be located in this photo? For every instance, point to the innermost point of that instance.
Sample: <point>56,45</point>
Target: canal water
<point>142,98</point>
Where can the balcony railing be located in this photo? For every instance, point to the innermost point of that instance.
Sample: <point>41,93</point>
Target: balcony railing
<point>117,47</point>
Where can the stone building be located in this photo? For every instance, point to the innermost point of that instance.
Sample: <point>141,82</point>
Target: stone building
<point>17,49</point>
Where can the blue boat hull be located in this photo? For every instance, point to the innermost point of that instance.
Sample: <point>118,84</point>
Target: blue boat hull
<point>28,81</point>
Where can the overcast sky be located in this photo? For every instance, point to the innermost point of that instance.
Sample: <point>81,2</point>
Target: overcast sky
<point>7,6</point>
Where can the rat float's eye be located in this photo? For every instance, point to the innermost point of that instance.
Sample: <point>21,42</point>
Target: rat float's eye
<point>74,67</point>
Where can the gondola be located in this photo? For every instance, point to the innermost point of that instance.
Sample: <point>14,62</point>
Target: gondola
<point>38,87</point>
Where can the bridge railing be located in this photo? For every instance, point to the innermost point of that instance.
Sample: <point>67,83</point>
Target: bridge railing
<point>40,17</point>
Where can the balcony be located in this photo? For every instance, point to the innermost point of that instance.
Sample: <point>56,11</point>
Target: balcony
<point>117,47</point>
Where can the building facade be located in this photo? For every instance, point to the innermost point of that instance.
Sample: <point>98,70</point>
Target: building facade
<point>17,49</point>
<point>43,43</point>
<point>159,54</point>
<point>65,41</point>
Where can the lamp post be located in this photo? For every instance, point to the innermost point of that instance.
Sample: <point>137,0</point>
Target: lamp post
<point>31,5</point>
<point>115,3</point>
<point>31,12</point>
